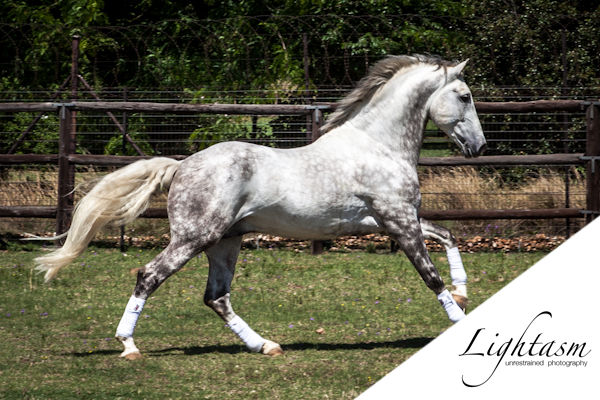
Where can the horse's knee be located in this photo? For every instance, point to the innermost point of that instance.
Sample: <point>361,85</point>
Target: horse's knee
<point>434,281</point>
<point>148,281</point>
<point>144,285</point>
<point>450,240</point>
<point>438,233</point>
<point>169,261</point>
<point>446,238</point>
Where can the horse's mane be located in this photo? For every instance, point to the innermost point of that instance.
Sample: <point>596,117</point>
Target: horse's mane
<point>379,74</point>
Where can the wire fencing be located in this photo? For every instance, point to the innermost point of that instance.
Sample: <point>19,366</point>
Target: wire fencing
<point>489,186</point>
<point>291,61</point>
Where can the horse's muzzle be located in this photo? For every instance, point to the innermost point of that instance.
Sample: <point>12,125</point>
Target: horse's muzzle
<point>470,149</point>
<point>479,151</point>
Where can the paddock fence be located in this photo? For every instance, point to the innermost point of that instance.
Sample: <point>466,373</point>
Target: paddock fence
<point>50,147</point>
<point>77,122</point>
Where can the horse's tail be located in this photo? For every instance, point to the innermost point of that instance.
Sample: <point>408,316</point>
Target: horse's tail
<point>118,198</point>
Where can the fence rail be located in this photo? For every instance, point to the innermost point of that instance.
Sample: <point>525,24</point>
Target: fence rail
<point>67,159</point>
<point>275,109</point>
<point>108,160</point>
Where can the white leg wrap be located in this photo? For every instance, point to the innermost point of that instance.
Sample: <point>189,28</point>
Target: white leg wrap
<point>457,270</point>
<point>130,316</point>
<point>452,309</point>
<point>253,340</point>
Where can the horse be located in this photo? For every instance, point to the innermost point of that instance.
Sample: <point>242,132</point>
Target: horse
<point>359,177</point>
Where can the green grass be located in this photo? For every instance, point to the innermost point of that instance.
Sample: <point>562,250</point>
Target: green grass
<point>56,340</point>
<point>437,153</point>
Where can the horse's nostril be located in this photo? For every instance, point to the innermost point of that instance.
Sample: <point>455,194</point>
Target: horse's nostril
<point>481,149</point>
<point>460,138</point>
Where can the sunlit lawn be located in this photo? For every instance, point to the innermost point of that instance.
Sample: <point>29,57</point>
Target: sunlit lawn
<point>371,311</point>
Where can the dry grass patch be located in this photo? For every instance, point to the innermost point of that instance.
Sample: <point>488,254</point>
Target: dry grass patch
<point>459,188</point>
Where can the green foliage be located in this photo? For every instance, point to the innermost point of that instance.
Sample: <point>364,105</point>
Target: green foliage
<point>219,128</point>
<point>120,147</point>
<point>258,44</point>
<point>42,139</point>
<point>42,52</point>
<point>522,44</point>
<point>223,128</point>
<point>252,48</point>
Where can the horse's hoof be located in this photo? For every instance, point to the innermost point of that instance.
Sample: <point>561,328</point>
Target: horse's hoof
<point>462,301</point>
<point>136,355</point>
<point>271,349</point>
<point>275,351</point>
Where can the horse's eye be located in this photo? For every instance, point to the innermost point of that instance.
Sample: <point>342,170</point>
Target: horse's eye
<point>465,98</point>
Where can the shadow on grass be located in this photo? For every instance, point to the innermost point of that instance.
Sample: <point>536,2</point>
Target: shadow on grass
<point>94,353</point>
<point>412,343</point>
<point>192,350</point>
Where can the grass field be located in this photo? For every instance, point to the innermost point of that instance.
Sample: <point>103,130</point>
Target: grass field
<point>56,340</point>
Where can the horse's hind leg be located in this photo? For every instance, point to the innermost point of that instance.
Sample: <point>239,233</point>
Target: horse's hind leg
<point>457,271</point>
<point>149,278</point>
<point>222,258</point>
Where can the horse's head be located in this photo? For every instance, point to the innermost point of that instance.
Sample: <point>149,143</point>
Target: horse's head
<point>452,109</point>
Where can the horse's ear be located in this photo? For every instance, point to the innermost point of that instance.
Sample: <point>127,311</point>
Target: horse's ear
<point>455,72</point>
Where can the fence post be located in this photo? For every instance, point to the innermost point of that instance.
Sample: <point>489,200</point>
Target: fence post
<point>74,79</point>
<point>305,61</point>
<point>123,150</point>
<point>592,154</point>
<point>66,172</point>
<point>66,146</point>
<point>316,246</point>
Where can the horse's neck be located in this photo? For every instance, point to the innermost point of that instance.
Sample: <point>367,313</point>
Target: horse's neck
<point>396,116</point>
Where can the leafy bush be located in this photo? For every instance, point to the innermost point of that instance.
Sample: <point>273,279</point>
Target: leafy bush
<point>42,139</point>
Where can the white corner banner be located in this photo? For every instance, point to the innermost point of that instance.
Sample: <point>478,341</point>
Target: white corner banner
<point>538,336</point>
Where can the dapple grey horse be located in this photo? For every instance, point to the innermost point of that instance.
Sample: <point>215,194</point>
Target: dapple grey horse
<point>359,177</point>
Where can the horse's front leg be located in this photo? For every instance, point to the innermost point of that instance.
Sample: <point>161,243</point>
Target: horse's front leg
<point>401,222</point>
<point>222,258</point>
<point>457,271</point>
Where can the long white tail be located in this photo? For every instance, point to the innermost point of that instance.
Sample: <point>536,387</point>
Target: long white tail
<point>119,198</point>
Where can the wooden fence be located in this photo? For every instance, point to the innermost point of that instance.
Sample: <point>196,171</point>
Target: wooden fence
<point>66,159</point>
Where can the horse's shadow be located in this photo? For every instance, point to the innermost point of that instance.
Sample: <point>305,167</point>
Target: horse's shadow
<point>411,343</point>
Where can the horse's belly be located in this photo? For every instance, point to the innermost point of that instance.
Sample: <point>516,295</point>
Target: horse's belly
<point>321,225</point>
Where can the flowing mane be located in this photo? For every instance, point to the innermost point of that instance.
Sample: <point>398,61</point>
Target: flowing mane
<point>379,74</point>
